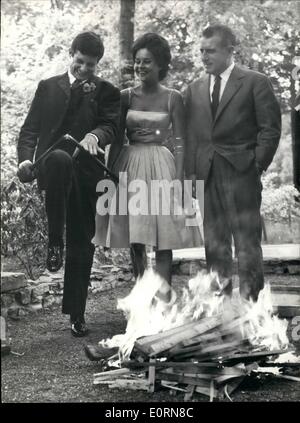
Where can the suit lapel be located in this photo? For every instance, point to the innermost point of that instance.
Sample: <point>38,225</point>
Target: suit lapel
<point>234,83</point>
<point>64,84</point>
<point>205,96</point>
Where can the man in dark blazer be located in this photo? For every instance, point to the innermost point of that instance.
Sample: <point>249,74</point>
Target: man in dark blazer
<point>86,107</point>
<point>233,131</point>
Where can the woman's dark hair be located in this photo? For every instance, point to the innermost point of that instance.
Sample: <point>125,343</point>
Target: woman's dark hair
<point>158,47</point>
<point>88,43</point>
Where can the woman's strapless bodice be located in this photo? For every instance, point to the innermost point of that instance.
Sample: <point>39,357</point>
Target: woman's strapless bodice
<point>147,126</point>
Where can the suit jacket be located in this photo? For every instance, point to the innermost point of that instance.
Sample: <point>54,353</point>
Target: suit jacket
<point>98,113</point>
<point>247,125</point>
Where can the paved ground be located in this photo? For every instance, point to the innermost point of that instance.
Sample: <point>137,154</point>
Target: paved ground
<point>52,366</point>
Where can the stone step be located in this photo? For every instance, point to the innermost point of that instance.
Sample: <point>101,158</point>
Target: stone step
<point>277,259</point>
<point>281,252</point>
<point>11,281</point>
<point>286,300</point>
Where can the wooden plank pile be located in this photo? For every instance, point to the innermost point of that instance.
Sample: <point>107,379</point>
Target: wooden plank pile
<point>210,356</point>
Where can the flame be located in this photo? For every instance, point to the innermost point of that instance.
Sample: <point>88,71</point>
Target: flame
<point>263,329</point>
<point>146,314</point>
<point>203,297</point>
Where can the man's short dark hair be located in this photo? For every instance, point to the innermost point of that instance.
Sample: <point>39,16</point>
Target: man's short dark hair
<point>158,47</point>
<point>88,43</point>
<point>225,33</point>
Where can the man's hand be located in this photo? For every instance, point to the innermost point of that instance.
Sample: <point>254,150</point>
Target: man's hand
<point>90,144</point>
<point>25,172</point>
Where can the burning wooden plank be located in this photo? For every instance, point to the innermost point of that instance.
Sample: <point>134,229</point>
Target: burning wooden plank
<point>209,352</point>
<point>250,356</point>
<point>201,377</point>
<point>194,343</point>
<point>218,335</point>
<point>183,378</point>
<point>184,366</point>
<point>152,338</point>
<point>142,345</point>
<point>166,341</point>
<point>151,378</point>
<point>207,343</point>
<point>110,375</point>
<point>202,330</point>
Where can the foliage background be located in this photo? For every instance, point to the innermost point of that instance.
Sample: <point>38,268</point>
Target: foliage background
<point>35,38</point>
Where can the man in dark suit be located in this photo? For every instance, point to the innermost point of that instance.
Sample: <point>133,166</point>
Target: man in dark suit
<point>86,107</point>
<point>233,131</point>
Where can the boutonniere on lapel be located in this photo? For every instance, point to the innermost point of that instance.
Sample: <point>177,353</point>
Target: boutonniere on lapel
<point>88,87</point>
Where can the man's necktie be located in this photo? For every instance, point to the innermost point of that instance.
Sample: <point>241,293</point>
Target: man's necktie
<point>76,94</point>
<point>215,95</point>
<point>76,84</point>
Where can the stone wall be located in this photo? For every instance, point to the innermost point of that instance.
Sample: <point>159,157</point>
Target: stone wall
<point>20,296</point>
<point>271,266</point>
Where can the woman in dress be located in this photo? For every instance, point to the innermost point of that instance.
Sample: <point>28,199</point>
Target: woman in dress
<point>149,112</point>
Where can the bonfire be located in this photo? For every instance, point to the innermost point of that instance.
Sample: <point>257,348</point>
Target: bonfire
<point>202,341</point>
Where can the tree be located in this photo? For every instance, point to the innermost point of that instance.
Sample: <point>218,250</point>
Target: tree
<point>126,37</point>
<point>57,4</point>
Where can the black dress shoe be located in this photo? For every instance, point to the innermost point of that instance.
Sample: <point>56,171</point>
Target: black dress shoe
<point>97,353</point>
<point>55,258</point>
<point>79,329</point>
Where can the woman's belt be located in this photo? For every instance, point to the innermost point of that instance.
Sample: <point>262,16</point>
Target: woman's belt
<point>151,143</point>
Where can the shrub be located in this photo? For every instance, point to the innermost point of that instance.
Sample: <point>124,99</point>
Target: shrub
<point>24,231</point>
<point>278,200</point>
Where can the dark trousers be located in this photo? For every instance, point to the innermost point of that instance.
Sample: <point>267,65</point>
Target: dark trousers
<point>70,187</point>
<point>232,202</point>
